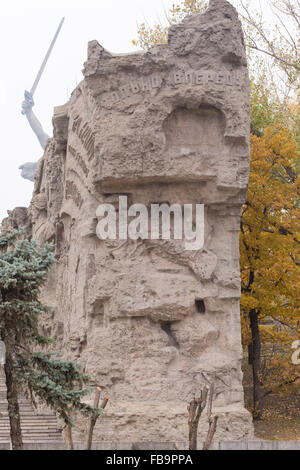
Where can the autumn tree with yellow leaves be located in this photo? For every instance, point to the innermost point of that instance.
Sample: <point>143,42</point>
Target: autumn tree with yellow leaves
<point>270,259</point>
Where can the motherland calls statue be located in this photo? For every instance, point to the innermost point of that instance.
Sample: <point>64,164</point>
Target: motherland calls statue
<point>28,169</point>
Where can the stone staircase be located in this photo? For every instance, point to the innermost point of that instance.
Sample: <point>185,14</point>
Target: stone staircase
<point>36,427</point>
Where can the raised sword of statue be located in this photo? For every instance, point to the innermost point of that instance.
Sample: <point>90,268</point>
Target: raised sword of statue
<point>40,72</point>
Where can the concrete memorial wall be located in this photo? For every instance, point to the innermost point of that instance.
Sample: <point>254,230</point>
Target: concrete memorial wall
<point>150,320</point>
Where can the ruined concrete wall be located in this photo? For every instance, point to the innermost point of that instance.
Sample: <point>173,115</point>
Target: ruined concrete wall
<point>150,321</point>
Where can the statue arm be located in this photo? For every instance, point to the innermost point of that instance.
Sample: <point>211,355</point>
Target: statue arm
<point>37,128</point>
<point>33,120</point>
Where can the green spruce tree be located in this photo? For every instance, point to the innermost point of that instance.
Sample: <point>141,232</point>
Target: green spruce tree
<point>61,385</point>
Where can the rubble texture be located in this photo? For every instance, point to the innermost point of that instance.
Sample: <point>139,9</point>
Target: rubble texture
<point>148,320</point>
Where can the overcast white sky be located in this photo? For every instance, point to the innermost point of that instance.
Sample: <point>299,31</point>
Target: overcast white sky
<point>26,30</point>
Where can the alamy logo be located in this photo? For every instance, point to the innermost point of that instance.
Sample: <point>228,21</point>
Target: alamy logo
<point>162,222</point>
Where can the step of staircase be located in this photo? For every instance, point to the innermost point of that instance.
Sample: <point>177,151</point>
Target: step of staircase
<point>36,427</point>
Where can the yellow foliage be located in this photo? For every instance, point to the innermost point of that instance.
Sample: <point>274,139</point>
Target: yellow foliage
<point>270,239</point>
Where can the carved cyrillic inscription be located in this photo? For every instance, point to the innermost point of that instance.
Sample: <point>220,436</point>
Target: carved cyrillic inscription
<point>134,87</point>
<point>85,134</point>
<point>73,193</point>
<point>78,159</point>
<point>204,78</point>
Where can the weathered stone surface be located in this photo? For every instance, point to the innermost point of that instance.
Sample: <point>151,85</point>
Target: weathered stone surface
<point>150,321</point>
<point>17,218</point>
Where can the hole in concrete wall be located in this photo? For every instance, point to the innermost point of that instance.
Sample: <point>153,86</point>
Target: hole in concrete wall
<point>166,326</point>
<point>98,313</point>
<point>200,306</point>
